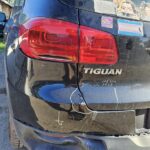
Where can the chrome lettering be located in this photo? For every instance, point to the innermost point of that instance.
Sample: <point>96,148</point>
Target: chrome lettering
<point>99,71</point>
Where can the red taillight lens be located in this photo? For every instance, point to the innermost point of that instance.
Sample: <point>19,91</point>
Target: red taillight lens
<point>57,40</point>
<point>50,39</point>
<point>97,47</point>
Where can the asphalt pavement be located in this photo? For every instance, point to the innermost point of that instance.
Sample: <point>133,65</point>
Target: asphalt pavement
<point>4,140</point>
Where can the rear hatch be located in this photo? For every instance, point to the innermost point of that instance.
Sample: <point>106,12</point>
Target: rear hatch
<point>125,82</point>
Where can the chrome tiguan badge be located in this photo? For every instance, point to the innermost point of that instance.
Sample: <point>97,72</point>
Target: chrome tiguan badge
<point>98,71</point>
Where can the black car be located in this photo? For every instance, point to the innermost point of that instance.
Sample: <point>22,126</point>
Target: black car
<point>7,28</point>
<point>3,21</point>
<point>78,75</point>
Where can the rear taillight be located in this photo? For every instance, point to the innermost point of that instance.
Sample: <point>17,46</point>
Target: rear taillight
<point>57,40</point>
<point>50,39</point>
<point>97,47</point>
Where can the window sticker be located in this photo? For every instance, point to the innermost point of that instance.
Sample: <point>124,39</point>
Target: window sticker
<point>130,28</point>
<point>145,11</point>
<point>107,22</point>
<point>127,8</point>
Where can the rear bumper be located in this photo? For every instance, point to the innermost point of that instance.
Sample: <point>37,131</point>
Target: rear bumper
<point>40,140</point>
<point>64,118</point>
<point>40,98</point>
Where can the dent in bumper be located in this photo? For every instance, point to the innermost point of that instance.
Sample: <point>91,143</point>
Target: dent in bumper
<point>36,140</point>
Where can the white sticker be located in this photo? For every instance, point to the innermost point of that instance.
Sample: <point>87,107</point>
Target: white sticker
<point>107,22</point>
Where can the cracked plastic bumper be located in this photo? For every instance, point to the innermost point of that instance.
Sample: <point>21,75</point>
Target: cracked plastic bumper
<point>40,140</point>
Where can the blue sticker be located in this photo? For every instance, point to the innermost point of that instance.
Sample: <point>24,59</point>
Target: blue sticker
<point>130,28</point>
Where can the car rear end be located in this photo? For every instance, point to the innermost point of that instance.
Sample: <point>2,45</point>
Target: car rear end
<point>78,74</point>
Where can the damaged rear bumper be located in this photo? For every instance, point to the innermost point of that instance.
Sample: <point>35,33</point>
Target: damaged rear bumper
<point>41,140</point>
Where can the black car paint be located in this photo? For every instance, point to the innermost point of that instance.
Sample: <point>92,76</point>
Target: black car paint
<point>132,86</point>
<point>54,97</point>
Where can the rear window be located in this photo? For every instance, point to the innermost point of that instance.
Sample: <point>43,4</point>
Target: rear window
<point>134,9</point>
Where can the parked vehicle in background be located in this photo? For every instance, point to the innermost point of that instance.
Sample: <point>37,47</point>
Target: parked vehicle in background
<point>7,28</point>
<point>78,75</point>
<point>3,21</point>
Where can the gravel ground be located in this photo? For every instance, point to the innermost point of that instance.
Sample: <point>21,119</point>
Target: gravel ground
<point>4,140</point>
